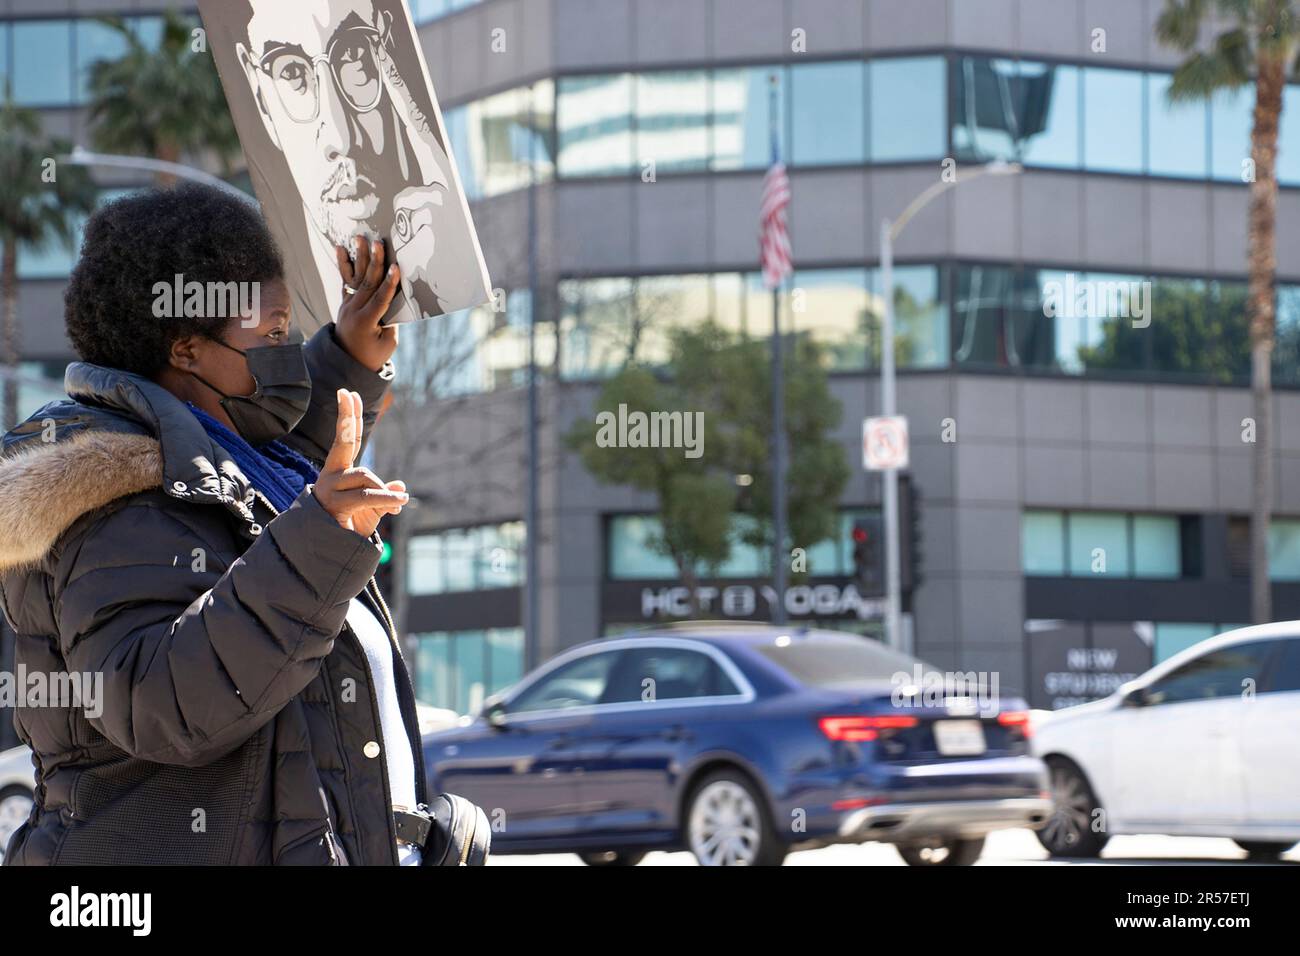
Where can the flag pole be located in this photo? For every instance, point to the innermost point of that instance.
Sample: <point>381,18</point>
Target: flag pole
<point>778,411</point>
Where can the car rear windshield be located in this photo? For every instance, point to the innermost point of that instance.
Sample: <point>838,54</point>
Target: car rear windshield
<point>824,663</point>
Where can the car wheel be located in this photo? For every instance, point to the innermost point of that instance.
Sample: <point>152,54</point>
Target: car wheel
<point>942,852</point>
<point>727,823</point>
<point>1068,831</point>
<point>1262,849</point>
<point>15,808</point>
<point>612,858</point>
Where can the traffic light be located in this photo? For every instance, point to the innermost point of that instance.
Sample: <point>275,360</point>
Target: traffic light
<point>868,555</point>
<point>909,534</point>
<point>387,562</point>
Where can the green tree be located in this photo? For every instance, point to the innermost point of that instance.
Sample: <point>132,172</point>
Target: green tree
<point>163,103</point>
<point>1255,43</point>
<point>727,377</point>
<point>41,202</point>
<point>1196,330</point>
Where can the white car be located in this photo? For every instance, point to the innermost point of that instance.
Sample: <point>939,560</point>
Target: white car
<point>1203,744</point>
<point>17,788</point>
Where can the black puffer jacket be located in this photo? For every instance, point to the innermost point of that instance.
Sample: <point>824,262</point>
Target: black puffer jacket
<point>237,705</point>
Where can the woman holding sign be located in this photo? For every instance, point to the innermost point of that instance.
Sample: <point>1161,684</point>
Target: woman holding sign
<point>190,533</point>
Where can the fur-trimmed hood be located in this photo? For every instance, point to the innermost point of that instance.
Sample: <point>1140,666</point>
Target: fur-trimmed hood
<point>117,434</point>
<point>45,488</point>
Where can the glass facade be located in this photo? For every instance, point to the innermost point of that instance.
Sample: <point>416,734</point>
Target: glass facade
<point>502,141</point>
<point>460,669</point>
<point>631,555</point>
<point>1077,323</point>
<point>1100,544</point>
<point>1284,549</point>
<point>472,350</point>
<point>423,11</point>
<point>1105,120</point>
<point>848,111</point>
<point>466,559</point>
<point>967,315</point>
<point>608,321</point>
<point>47,62</point>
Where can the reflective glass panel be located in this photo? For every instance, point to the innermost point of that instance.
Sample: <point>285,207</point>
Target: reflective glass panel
<point>828,112</point>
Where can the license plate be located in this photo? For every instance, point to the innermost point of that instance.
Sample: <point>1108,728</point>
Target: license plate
<point>959,737</point>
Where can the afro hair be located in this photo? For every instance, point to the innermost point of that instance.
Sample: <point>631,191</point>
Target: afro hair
<point>202,233</point>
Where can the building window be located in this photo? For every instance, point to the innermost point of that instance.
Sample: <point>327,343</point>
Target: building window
<point>95,42</point>
<point>1178,136</point>
<point>598,332</point>
<point>594,129</point>
<point>1100,544</point>
<point>466,559</point>
<point>460,669</point>
<point>1097,545</point>
<point>1173,637</point>
<point>909,118</point>
<point>1284,549</point>
<point>672,120</point>
<point>742,137</point>
<point>501,142</point>
<point>631,554</point>
<point>1016,110</point>
<point>829,113</point>
<point>1043,543</point>
<point>422,11</point>
<point>42,62</point>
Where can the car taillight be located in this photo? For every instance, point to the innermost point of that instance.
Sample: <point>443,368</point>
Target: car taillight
<point>1017,719</point>
<point>861,728</point>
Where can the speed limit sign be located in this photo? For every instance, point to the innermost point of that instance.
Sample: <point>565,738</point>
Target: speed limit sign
<point>884,443</point>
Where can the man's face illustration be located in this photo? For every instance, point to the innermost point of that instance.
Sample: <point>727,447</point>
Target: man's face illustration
<point>312,67</point>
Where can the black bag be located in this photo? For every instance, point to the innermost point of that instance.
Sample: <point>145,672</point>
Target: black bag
<point>459,834</point>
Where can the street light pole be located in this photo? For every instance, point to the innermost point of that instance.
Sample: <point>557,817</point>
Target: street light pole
<point>84,157</point>
<point>888,405</point>
<point>888,385</point>
<point>532,543</point>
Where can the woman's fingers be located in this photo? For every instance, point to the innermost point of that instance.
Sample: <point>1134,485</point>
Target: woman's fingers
<point>362,478</point>
<point>368,499</point>
<point>360,260</point>
<point>343,452</point>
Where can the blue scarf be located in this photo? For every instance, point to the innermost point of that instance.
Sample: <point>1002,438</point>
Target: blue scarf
<point>275,469</point>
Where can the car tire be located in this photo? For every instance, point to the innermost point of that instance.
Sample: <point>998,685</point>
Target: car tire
<point>950,852</point>
<point>15,808</point>
<point>727,823</point>
<point>1068,832</point>
<point>1263,849</point>
<point>612,857</point>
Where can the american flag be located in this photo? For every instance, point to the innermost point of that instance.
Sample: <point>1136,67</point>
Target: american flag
<point>773,238</point>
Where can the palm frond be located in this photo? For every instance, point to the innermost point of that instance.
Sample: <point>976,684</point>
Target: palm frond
<point>1203,74</point>
<point>1179,23</point>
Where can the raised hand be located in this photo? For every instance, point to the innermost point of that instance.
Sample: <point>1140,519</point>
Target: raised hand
<point>355,496</point>
<point>367,293</point>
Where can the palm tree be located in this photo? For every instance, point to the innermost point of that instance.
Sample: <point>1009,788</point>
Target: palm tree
<point>1255,42</point>
<point>162,102</point>
<point>41,202</point>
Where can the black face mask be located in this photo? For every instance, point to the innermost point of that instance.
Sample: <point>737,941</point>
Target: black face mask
<point>281,398</point>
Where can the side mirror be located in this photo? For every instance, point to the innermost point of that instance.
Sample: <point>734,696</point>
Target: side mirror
<point>495,714</point>
<point>1136,697</point>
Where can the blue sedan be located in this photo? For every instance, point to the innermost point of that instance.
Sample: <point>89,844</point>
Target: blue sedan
<point>741,744</point>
